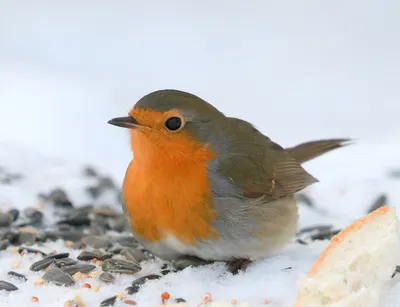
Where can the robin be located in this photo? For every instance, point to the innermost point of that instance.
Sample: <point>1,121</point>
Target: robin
<point>206,186</point>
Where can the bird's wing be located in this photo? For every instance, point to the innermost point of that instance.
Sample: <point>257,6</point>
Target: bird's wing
<point>259,167</point>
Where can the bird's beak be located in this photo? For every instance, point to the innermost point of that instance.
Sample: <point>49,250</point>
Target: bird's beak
<point>124,122</point>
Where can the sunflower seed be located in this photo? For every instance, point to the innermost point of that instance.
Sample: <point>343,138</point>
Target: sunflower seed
<point>58,277</point>
<point>41,264</point>
<point>120,266</point>
<point>7,286</point>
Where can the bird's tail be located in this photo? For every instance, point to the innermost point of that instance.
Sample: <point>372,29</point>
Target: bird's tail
<point>310,150</point>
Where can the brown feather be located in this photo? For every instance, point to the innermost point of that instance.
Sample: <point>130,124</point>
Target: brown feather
<point>260,167</point>
<point>310,150</point>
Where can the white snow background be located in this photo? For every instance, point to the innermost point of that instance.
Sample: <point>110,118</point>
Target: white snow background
<point>298,71</point>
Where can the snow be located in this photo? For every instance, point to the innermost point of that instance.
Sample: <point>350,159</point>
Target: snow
<point>298,71</point>
<point>344,194</point>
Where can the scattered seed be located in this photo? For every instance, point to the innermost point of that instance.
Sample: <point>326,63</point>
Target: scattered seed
<point>130,290</point>
<point>105,212</point>
<point>88,256</point>
<point>31,250</point>
<point>38,282</point>
<point>34,215</point>
<point>130,302</point>
<point>35,299</point>
<point>325,235</point>
<point>187,261</point>
<point>133,254</point>
<point>58,277</point>
<point>98,288</point>
<point>41,264</point>
<point>17,275</point>
<point>234,301</point>
<point>83,268</point>
<point>165,272</point>
<point>15,265</point>
<point>95,274</point>
<point>14,214</point>
<point>121,266</point>
<point>29,229</point>
<point>27,238</point>
<point>97,241</point>
<point>58,256</point>
<point>180,300</point>
<point>107,277</point>
<point>4,285</point>
<point>5,219</point>
<point>165,296</point>
<point>121,295</point>
<point>116,250</point>
<point>109,301</point>
<point>106,256</point>
<point>207,298</point>
<point>77,276</point>
<point>88,286</point>
<point>78,301</point>
<point>127,241</point>
<point>266,302</point>
<point>137,283</point>
<point>4,244</point>
<point>12,236</point>
<point>65,262</point>
<point>69,303</point>
<point>314,229</point>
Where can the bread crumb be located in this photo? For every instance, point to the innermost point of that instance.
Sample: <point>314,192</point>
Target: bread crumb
<point>207,299</point>
<point>38,282</point>
<point>121,295</point>
<point>77,276</point>
<point>16,265</point>
<point>68,303</point>
<point>78,301</point>
<point>95,274</point>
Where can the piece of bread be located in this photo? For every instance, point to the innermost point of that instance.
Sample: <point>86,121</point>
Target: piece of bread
<point>355,269</point>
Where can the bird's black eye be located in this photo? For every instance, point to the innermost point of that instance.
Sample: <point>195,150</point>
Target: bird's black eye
<point>173,123</point>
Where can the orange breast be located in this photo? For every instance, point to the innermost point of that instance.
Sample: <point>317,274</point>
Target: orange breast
<point>166,188</point>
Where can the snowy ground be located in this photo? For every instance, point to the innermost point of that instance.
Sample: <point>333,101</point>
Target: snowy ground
<point>298,71</point>
<point>343,194</point>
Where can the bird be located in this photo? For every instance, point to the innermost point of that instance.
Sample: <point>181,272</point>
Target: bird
<point>202,185</point>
